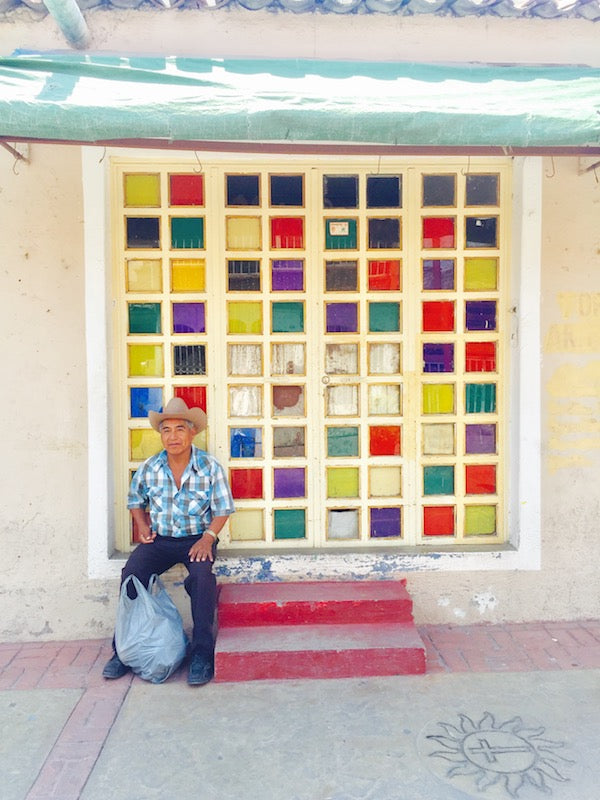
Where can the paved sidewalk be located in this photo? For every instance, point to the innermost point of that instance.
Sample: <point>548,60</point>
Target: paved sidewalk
<point>69,734</point>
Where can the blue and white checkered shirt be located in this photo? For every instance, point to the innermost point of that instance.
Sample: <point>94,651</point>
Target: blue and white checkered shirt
<point>188,511</point>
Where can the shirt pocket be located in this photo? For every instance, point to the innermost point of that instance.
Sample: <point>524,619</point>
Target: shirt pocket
<point>198,504</point>
<point>155,499</point>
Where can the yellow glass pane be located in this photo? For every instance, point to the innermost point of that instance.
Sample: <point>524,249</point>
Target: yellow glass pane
<point>342,482</point>
<point>247,525</point>
<point>144,443</point>
<point>481,274</point>
<point>146,360</point>
<point>243,233</point>
<point>480,520</point>
<point>200,440</point>
<point>438,439</point>
<point>385,482</point>
<point>244,318</point>
<point>188,275</point>
<point>142,190</point>
<point>144,275</point>
<point>438,398</point>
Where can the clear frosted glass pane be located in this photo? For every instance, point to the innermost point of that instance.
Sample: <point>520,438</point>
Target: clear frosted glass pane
<point>342,401</point>
<point>341,359</point>
<point>438,439</point>
<point>245,359</point>
<point>144,275</point>
<point>287,359</point>
<point>246,525</point>
<point>342,524</point>
<point>288,401</point>
<point>243,233</point>
<point>384,399</point>
<point>384,359</point>
<point>385,481</point>
<point>245,401</point>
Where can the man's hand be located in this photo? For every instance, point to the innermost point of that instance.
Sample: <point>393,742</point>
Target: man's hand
<point>141,523</point>
<point>202,549</point>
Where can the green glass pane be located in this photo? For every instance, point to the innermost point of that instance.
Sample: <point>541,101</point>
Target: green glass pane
<point>244,317</point>
<point>340,234</point>
<point>187,233</point>
<point>384,317</point>
<point>342,482</point>
<point>481,274</point>
<point>142,190</point>
<point>290,523</point>
<point>144,318</point>
<point>438,398</point>
<point>480,398</point>
<point>146,360</point>
<point>287,317</point>
<point>438,480</point>
<point>342,441</point>
<point>480,520</point>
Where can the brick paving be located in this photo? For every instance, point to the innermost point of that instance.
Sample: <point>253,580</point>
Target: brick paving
<point>523,647</point>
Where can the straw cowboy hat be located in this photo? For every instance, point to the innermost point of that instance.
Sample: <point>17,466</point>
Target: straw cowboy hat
<point>177,409</point>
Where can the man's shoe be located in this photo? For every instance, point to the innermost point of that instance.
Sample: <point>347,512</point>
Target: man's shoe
<point>200,672</point>
<point>115,668</point>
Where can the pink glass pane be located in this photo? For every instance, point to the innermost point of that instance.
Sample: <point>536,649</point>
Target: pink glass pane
<point>438,232</point>
<point>438,315</point>
<point>287,232</point>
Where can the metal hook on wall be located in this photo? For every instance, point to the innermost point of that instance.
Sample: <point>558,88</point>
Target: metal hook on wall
<point>553,173</point>
<point>199,163</point>
<point>468,169</point>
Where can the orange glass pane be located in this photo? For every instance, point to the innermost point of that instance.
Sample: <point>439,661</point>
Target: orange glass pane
<point>438,521</point>
<point>480,479</point>
<point>246,483</point>
<point>438,315</point>
<point>480,357</point>
<point>384,276</point>
<point>384,440</point>
<point>287,232</point>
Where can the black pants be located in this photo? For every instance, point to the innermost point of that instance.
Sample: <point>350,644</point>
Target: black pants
<point>162,554</point>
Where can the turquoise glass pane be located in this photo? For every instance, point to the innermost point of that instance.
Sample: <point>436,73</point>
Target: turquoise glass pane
<point>143,399</point>
<point>144,318</point>
<point>438,480</point>
<point>288,317</point>
<point>187,233</point>
<point>342,441</point>
<point>290,523</point>
<point>340,234</point>
<point>480,398</point>
<point>384,317</point>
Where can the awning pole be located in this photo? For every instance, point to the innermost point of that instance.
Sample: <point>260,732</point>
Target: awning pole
<point>70,20</point>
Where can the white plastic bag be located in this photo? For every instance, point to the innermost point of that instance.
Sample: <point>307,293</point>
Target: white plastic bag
<point>149,635</point>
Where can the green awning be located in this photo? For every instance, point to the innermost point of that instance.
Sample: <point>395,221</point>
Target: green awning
<point>74,97</point>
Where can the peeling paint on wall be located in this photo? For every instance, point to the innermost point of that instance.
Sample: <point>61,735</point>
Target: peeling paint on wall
<point>484,601</point>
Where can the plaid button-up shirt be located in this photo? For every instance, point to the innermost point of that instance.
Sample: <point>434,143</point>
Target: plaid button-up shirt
<point>189,510</point>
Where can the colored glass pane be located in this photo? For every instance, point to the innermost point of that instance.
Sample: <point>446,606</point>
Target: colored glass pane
<point>341,401</point>
<point>144,275</point>
<point>480,520</point>
<point>194,396</point>
<point>189,359</point>
<point>481,274</point>
<point>342,442</point>
<point>439,232</point>
<point>288,359</point>
<point>340,234</point>
<point>438,398</point>
<point>384,440</point>
<point>481,231</point>
<point>247,525</point>
<point>244,318</point>
<point>142,189</point>
<point>438,357</point>
<point>243,190</point>
<point>144,443</point>
<point>385,481</point>
<point>438,480</point>
<point>245,401</point>
<point>287,233</point>
<point>438,315</point>
<point>480,438</point>
<point>188,275</point>
<point>342,482</point>
<point>384,399</point>
<point>188,318</point>
<point>438,521</point>
<point>480,315</point>
<point>287,275</point>
<point>341,317</point>
<point>289,442</point>
<point>480,478</point>
<point>243,275</point>
<point>145,360</point>
<point>288,400</point>
<point>383,233</point>
<point>342,523</point>
<point>384,358</point>
<point>289,482</point>
<point>143,399</point>
<point>187,233</point>
<point>438,439</point>
<point>438,273</point>
<point>144,317</point>
<point>384,317</point>
<point>439,190</point>
<point>480,398</point>
<point>142,232</point>
<point>480,357</point>
<point>243,233</point>
<point>245,443</point>
<point>289,523</point>
<point>340,191</point>
<point>246,484</point>
<point>482,190</point>
<point>341,359</point>
<point>186,190</point>
<point>287,317</point>
<point>384,191</point>
<point>244,359</point>
<point>286,190</point>
<point>385,522</point>
<point>384,276</point>
<point>341,276</point>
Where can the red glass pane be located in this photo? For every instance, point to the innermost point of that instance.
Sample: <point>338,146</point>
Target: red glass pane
<point>480,479</point>
<point>384,276</point>
<point>384,440</point>
<point>438,315</point>
<point>193,396</point>
<point>480,357</point>
<point>287,232</point>
<point>246,483</point>
<point>186,190</point>
<point>438,232</point>
<point>438,521</point>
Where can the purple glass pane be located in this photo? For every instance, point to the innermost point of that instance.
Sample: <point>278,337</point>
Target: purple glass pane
<point>481,315</point>
<point>342,318</point>
<point>287,275</point>
<point>480,438</point>
<point>289,482</point>
<point>188,317</point>
<point>438,273</point>
<point>438,358</point>
<point>385,522</point>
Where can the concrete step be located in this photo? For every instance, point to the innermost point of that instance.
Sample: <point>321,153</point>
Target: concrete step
<point>276,652</point>
<point>314,603</point>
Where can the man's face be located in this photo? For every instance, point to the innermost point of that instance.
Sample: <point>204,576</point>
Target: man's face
<point>176,436</point>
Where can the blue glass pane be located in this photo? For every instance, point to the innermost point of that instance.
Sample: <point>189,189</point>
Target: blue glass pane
<point>144,399</point>
<point>246,443</point>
